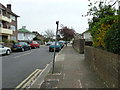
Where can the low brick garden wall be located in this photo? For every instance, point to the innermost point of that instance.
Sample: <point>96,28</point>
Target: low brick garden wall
<point>105,64</point>
<point>8,45</point>
<point>78,45</point>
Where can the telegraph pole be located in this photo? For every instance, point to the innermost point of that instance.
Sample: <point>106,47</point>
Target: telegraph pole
<point>53,68</point>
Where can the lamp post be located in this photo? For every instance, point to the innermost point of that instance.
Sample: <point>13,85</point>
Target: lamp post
<point>53,68</point>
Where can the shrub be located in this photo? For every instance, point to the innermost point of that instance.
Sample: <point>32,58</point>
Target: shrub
<point>13,41</point>
<point>112,38</point>
<point>6,41</point>
<point>100,29</point>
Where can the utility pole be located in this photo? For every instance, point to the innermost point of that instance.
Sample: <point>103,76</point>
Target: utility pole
<point>53,68</point>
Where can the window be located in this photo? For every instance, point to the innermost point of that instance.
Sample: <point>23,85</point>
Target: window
<point>12,27</point>
<point>0,11</point>
<point>25,43</point>
<point>1,24</point>
<point>21,36</point>
<point>12,17</point>
<point>21,43</point>
<point>0,38</point>
<point>34,42</point>
<point>13,37</point>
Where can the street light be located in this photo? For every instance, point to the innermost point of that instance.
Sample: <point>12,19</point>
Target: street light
<point>57,22</point>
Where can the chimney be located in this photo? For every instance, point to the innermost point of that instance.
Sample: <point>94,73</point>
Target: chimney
<point>24,27</point>
<point>9,6</point>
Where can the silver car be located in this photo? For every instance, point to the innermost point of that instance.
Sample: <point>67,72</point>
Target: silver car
<point>5,50</point>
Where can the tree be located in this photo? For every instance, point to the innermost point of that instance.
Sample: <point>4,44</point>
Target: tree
<point>104,8</point>
<point>104,25</point>
<point>36,38</point>
<point>67,33</point>
<point>49,34</point>
<point>100,9</point>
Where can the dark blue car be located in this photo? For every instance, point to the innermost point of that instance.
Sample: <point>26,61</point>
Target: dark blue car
<point>21,46</point>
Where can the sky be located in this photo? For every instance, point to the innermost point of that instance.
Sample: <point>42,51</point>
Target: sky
<point>41,15</point>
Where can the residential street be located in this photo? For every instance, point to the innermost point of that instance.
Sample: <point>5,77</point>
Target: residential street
<point>19,65</point>
<point>60,44</point>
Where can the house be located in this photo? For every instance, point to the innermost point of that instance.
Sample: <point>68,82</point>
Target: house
<point>87,36</point>
<point>25,35</point>
<point>77,36</point>
<point>8,23</point>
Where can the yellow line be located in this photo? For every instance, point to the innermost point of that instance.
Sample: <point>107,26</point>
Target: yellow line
<point>22,83</point>
<point>31,79</point>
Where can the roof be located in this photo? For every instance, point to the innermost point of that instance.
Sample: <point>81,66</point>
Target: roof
<point>10,11</point>
<point>24,30</point>
<point>87,31</point>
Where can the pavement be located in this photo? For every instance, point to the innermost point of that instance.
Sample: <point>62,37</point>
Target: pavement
<point>71,71</point>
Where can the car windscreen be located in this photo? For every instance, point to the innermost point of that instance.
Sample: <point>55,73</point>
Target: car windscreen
<point>54,43</point>
<point>19,43</point>
<point>30,42</point>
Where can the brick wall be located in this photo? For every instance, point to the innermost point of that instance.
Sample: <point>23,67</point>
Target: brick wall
<point>78,45</point>
<point>105,64</point>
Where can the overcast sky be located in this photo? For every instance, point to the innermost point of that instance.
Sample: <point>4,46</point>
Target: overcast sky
<point>40,15</point>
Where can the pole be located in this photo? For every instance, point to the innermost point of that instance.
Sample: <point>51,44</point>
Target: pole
<point>57,22</point>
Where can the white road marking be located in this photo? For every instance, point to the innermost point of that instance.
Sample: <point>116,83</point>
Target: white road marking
<point>53,80</point>
<point>22,55</point>
<point>80,83</point>
<point>56,73</point>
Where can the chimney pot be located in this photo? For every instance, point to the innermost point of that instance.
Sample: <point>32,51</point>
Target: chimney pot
<point>24,27</point>
<point>9,6</point>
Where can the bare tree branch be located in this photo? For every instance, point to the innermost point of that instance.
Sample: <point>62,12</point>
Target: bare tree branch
<point>49,34</point>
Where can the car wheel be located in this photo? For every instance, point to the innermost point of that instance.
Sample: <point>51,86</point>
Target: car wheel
<point>58,50</point>
<point>8,52</point>
<point>22,49</point>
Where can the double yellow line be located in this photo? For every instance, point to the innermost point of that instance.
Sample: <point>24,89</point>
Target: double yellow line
<point>27,82</point>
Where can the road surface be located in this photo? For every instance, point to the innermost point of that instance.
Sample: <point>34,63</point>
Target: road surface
<point>19,65</point>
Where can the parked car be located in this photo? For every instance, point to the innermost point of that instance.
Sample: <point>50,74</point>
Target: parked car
<point>21,46</point>
<point>48,43</point>
<point>61,44</point>
<point>57,47</point>
<point>5,50</point>
<point>34,44</point>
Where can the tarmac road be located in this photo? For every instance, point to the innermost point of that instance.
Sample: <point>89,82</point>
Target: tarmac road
<point>17,66</point>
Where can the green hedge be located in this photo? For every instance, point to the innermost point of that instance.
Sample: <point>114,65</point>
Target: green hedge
<point>112,38</point>
<point>106,34</point>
